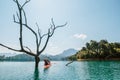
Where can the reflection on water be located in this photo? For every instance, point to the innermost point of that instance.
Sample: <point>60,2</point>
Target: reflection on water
<point>100,70</point>
<point>36,74</point>
<point>84,70</point>
<point>39,76</point>
<point>46,70</point>
<point>46,73</point>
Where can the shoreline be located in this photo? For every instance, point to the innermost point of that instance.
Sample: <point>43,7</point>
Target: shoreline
<point>114,59</point>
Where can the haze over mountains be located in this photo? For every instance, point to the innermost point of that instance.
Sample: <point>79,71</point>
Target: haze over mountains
<point>25,57</point>
<point>8,54</point>
<point>64,54</point>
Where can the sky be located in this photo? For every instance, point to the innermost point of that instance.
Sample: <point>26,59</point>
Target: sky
<point>86,20</point>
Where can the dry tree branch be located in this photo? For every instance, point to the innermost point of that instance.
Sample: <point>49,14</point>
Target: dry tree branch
<point>45,44</point>
<point>22,21</point>
<point>10,48</point>
<point>28,48</point>
<point>24,16</point>
<point>40,37</point>
<point>21,9</point>
<point>25,3</point>
<point>17,50</point>
<point>69,63</point>
<point>18,15</point>
<point>50,33</point>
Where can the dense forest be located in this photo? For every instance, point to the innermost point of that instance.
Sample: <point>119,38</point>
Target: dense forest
<point>2,57</point>
<point>21,57</point>
<point>101,50</point>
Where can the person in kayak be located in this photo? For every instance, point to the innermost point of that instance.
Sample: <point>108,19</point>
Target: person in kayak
<point>46,62</point>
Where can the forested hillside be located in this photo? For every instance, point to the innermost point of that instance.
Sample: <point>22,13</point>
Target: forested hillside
<point>98,50</point>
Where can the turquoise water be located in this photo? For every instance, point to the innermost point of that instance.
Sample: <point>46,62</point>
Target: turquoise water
<point>85,70</point>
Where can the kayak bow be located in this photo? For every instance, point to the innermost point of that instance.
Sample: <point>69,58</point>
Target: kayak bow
<point>47,66</point>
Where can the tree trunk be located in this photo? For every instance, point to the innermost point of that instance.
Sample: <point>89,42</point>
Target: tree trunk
<point>36,74</point>
<point>37,60</point>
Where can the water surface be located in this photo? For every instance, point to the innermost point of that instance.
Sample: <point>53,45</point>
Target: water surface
<point>84,70</point>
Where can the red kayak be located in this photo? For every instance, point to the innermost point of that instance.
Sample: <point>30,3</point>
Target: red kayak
<point>47,66</point>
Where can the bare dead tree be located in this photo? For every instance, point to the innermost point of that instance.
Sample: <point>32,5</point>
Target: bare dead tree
<point>22,22</point>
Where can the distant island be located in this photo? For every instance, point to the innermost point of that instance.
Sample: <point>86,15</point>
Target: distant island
<point>102,50</point>
<point>24,57</point>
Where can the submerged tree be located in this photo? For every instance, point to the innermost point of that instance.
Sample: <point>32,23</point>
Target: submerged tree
<point>22,22</point>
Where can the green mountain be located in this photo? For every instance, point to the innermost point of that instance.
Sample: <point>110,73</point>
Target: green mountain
<point>23,57</point>
<point>8,54</point>
<point>26,57</point>
<point>64,54</point>
<point>20,57</point>
<point>102,50</point>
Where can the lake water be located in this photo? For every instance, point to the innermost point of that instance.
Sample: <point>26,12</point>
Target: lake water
<point>84,70</point>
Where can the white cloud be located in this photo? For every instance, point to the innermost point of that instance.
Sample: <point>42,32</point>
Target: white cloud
<point>80,36</point>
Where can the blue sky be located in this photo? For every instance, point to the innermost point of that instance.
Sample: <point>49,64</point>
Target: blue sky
<point>87,20</point>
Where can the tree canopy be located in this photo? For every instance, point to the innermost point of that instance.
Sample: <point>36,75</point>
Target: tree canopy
<point>98,50</point>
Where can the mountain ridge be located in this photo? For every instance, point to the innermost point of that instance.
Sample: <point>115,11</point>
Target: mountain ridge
<point>26,57</point>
